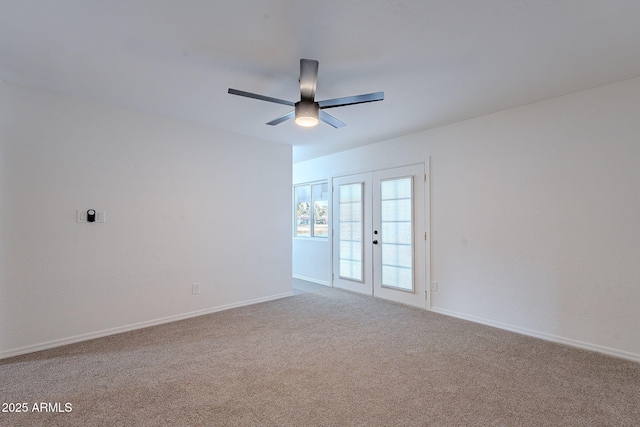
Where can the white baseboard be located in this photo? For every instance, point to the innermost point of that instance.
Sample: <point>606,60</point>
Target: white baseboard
<point>106,332</point>
<point>541,335</point>
<point>309,279</point>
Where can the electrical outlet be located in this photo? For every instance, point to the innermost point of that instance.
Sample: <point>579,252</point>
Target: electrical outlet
<point>81,216</point>
<point>195,288</point>
<point>434,286</point>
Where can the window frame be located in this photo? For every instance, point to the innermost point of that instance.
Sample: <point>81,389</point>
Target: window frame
<point>312,201</point>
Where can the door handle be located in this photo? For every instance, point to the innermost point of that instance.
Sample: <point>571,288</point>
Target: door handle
<point>375,242</point>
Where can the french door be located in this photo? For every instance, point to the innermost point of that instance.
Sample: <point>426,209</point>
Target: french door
<point>379,234</point>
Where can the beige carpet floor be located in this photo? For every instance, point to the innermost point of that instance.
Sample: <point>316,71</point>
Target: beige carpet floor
<point>323,358</point>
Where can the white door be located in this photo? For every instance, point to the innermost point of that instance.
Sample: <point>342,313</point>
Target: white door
<point>379,234</point>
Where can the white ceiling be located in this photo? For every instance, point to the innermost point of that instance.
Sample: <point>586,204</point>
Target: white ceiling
<point>438,61</point>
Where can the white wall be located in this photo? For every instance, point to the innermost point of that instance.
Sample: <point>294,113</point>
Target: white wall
<point>534,215</point>
<point>312,260</point>
<point>183,203</point>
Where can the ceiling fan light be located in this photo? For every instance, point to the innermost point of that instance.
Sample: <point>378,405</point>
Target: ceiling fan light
<point>306,122</point>
<point>307,113</point>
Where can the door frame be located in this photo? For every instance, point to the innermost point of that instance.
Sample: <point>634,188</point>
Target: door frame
<point>425,275</point>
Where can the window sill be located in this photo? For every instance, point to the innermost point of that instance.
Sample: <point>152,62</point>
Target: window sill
<point>321,239</point>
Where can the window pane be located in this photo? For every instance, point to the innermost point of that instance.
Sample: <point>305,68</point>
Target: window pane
<point>320,194</point>
<point>397,277</point>
<point>350,255</point>
<point>351,250</point>
<point>303,210</point>
<point>350,211</point>
<point>396,233</point>
<point>397,255</point>
<point>395,189</point>
<point>396,210</point>
<point>350,232</point>
<point>351,269</point>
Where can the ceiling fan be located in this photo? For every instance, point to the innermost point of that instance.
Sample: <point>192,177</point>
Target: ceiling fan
<point>307,111</point>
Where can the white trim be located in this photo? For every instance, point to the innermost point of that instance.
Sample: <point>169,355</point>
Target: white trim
<point>309,279</point>
<point>427,228</point>
<point>384,168</point>
<point>106,332</point>
<point>542,335</point>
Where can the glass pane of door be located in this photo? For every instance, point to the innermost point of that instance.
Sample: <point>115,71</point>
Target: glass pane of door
<point>351,232</point>
<point>396,237</point>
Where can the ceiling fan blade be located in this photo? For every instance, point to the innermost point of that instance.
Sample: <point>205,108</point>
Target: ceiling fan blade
<point>329,119</point>
<point>308,78</point>
<point>283,118</point>
<point>351,100</point>
<point>260,97</point>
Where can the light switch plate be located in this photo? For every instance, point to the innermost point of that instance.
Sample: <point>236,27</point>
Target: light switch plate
<point>100,216</point>
<point>81,216</point>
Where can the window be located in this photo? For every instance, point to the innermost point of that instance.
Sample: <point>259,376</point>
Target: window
<point>311,210</point>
